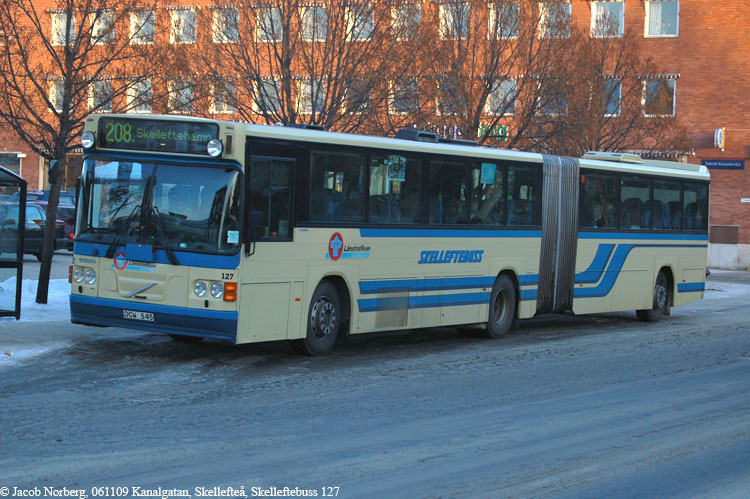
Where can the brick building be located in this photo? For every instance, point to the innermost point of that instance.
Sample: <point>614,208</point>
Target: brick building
<point>701,49</point>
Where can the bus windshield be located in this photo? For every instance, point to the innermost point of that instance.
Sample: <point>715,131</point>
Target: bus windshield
<point>177,207</point>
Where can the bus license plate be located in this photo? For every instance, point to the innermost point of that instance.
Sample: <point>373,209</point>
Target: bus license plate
<point>139,316</point>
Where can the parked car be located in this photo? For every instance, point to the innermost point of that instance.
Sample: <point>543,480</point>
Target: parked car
<point>33,234</point>
<point>66,213</point>
<point>37,195</point>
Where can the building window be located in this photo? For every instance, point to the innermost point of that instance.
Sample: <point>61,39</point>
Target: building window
<point>266,99</point>
<point>63,23</point>
<point>312,96</point>
<point>142,27</point>
<point>139,96</point>
<point>314,23</point>
<point>100,96</point>
<point>56,94</point>
<point>502,99</point>
<point>103,27</point>
<point>505,19</point>
<point>268,27</point>
<point>183,26</point>
<point>181,96</point>
<point>607,19</point>
<point>406,19</point>
<point>225,25</point>
<point>554,20</point>
<point>11,161</point>
<point>360,21</point>
<point>223,97</point>
<point>662,18</point>
<point>450,100</point>
<point>405,96</point>
<point>612,97</point>
<point>552,100</point>
<point>455,18</point>
<point>659,97</point>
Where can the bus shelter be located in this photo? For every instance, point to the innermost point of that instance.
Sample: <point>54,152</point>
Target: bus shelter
<point>12,223</point>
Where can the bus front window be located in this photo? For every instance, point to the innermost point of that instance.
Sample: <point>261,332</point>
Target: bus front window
<point>176,206</point>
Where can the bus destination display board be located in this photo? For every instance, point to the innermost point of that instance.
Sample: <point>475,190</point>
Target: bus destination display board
<point>156,135</point>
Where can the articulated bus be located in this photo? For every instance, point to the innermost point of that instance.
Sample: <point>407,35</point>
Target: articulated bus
<point>248,233</point>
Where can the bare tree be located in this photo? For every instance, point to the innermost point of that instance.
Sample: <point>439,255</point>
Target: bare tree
<point>293,61</point>
<point>56,66</point>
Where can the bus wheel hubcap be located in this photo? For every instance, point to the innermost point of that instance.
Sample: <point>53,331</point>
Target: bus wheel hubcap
<point>323,317</point>
<point>500,308</point>
<point>661,296</point>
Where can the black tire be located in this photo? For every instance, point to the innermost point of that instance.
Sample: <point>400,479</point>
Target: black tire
<point>323,322</point>
<point>183,338</point>
<point>502,311</point>
<point>662,298</point>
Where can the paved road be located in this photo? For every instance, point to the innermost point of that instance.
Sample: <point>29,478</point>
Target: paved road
<point>600,406</point>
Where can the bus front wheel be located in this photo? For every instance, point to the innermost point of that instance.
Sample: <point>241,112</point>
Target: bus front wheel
<point>660,301</point>
<point>323,321</point>
<point>502,307</point>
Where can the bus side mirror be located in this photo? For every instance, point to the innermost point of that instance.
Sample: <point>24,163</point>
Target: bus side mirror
<point>254,226</point>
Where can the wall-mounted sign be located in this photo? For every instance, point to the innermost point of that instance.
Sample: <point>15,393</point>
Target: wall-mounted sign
<point>724,164</point>
<point>720,137</point>
<point>744,200</point>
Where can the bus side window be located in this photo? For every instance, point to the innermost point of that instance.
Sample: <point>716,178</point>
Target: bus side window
<point>488,194</point>
<point>395,188</point>
<point>449,189</point>
<point>523,188</point>
<point>337,186</point>
<point>635,195</point>
<point>599,200</point>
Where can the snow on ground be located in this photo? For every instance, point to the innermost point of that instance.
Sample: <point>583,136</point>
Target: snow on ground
<point>56,309</point>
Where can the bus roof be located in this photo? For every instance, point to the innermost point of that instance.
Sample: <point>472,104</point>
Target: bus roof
<point>617,162</point>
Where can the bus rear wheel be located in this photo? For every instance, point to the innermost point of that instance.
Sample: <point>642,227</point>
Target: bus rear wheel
<point>323,321</point>
<point>660,301</point>
<point>502,307</point>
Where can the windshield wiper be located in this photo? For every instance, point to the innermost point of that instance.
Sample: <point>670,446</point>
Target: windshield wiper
<point>128,221</point>
<point>160,231</point>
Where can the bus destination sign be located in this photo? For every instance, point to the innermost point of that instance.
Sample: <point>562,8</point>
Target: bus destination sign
<point>156,135</point>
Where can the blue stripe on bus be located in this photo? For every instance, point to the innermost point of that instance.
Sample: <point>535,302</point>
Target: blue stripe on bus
<point>203,260</point>
<point>691,287</point>
<point>528,294</point>
<point>596,269</point>
<point>642,235</point>
<point>615,266</point>
<point>474,233</point>
<point>167,319</point>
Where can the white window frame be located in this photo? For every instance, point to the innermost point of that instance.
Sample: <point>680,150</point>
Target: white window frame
<point>225,25</point>
<point>596,16</point>
<point>488,108</point>
<point>140,32</point>
<point>647,20</point>
<point>450,32</point>
<point>174,93</point>
<point>305,97</point>
<point>392,103</point>
<point>406,23</point>
<point>219,106</point>
<point>258,97</point>
<point>492,16</point>
<point>56,91</point>
<point>92,96</point>
<point>103,27</point>
<point>176,27</point>
<point>57,26</point>
<point>674,98</point>
<point>264,16</point>
<point>364,32</point>
<point>619,101</point>
<point>314,29</point>
<point>543,9</point>
<point>134,94</point>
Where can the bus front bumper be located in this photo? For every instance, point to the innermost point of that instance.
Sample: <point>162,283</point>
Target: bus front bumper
<point>216,324</point>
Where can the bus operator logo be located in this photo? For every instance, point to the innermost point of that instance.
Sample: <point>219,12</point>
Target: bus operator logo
<point>120,261</point>
<point>335,246</point>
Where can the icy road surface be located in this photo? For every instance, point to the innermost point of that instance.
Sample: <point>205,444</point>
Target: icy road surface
<point>600,406</point>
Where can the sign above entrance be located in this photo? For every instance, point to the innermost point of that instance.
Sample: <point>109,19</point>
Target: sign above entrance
<point>724,164</point>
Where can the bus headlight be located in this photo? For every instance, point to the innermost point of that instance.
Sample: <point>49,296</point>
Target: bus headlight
<point>200,288</point>
<point>87,140</point>
<point>217,290</point>
<point>214,148</point>
<point>78,274</point>
<point>90,276</point>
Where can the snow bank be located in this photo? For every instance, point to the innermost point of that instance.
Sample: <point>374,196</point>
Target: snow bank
<point>56,309</point>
